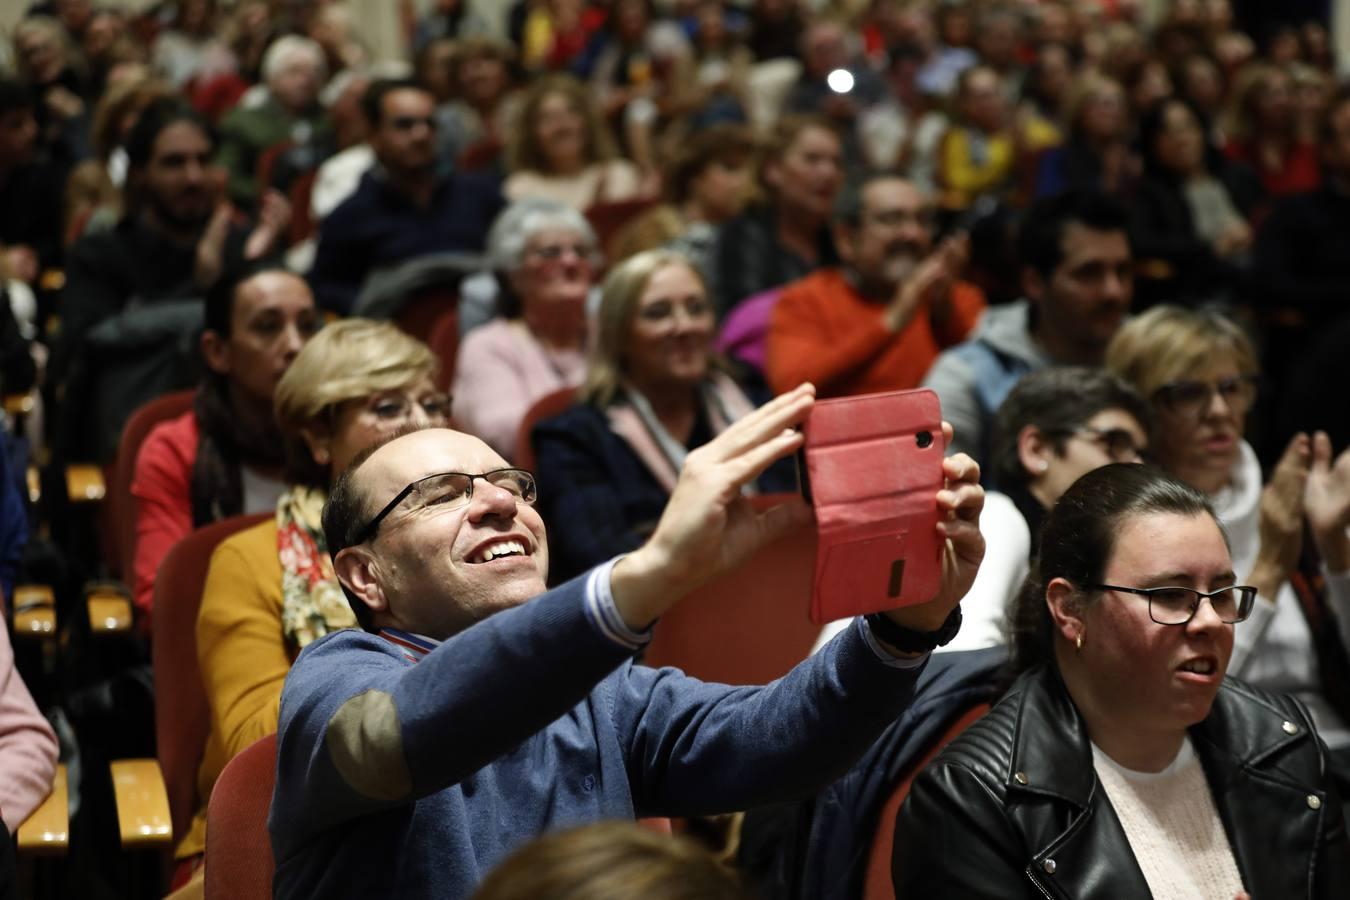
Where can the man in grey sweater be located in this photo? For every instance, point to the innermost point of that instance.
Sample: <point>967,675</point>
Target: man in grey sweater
<point>476,711</point>
<point>1078,281</point>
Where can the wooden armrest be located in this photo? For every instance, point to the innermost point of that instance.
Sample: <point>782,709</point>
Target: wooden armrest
<point>84,483</point>
<point>109,609</point>
<point>142,804</point>
<point>1155,269</point>
<point>34,610</point>
<point>20,404</point>
<point>46,831</point>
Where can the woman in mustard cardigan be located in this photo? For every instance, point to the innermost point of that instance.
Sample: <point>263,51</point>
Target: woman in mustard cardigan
<point>270,589</point>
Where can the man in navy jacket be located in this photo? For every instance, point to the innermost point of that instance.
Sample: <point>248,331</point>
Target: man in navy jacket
<point>477,711</point>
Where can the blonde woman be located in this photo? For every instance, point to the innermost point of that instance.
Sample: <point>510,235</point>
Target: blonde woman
<point>270,590</point>
<point>653,392</point>
<point>1198,370</point>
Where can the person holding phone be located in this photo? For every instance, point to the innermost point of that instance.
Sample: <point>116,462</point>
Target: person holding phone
<point>1121,762</point>
<point>478,710</point>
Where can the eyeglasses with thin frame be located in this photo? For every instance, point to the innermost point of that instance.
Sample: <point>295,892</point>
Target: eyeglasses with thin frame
<point>392,407</point>
<point>1118,443</point>
<point>1171,605</point>
<point>450,490</point>
<point>551,253</point>
<point>1190,398</point>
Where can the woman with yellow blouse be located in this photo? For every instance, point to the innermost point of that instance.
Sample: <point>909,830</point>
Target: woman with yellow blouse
<point>270,589</point>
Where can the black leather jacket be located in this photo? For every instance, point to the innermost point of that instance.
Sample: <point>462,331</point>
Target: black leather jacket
<point>1013,807</point>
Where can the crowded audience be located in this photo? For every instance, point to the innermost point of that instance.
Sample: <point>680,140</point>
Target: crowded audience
<point>627,243</point>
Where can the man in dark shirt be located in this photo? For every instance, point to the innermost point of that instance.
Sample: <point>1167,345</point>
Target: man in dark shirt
<point>133,295</point>
<point>404,208</point>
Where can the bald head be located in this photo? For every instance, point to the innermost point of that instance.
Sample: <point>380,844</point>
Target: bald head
<point>363,489</point>
<point>432,568</point>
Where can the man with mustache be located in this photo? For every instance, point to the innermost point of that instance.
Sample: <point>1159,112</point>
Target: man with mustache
<point>877,322</point>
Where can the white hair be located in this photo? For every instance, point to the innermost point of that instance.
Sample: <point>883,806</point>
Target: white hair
<point>522,220</point>
<point>284,49</point>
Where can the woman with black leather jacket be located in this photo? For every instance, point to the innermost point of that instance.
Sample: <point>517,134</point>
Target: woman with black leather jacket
<point>1121,762</point>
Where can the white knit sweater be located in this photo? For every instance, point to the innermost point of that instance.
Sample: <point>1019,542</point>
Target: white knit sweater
<point>1173,827</point>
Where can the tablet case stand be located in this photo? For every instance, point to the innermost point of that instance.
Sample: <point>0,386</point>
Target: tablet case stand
<point>873,465</point>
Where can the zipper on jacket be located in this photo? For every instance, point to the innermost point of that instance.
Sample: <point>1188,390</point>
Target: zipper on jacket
<point>1031,875</point>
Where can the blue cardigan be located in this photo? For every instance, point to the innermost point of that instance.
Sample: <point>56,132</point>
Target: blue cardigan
<point>402,779</point>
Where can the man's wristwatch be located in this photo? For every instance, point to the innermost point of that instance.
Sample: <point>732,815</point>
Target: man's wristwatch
<point>907,640</point>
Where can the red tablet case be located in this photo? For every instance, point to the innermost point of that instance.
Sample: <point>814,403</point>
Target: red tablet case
<point>873,468</point>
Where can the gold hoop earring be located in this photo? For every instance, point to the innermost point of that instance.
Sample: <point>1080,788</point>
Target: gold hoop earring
<point>1078,643</point>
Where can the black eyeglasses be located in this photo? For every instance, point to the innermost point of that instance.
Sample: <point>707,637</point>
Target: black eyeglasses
<point>1178,605</point>
<point>1191,398</point>
<point>449,490</point>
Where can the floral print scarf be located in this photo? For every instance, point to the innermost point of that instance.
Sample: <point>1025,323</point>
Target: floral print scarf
<point>312,602</point>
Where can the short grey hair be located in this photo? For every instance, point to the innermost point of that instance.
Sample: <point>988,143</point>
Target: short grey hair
<point>522,220</point>
<point>283,49</point>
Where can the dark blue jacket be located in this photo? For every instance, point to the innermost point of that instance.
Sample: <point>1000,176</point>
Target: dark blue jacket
<point>596,496</point>
<point>377,226</point>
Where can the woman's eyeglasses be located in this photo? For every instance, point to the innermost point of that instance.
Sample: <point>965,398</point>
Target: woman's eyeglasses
<point>1190,398</point>
<point>1178,605</point>
<point>550,253</point>
<point>399,407</point>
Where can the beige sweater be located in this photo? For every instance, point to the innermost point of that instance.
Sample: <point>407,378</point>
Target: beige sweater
<point>1173,827</point>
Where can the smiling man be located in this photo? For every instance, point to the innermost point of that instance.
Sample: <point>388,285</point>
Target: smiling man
<point>877,322</point>
<point>477,711</point>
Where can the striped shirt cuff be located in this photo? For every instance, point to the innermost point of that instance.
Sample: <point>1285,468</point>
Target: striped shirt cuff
<point>602,612</point>
<point>890,659</point>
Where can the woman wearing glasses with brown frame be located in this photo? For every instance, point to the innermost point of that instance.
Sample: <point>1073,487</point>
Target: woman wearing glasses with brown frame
<point>1199,369</point>
<point>270,589</point>
<point>1121,762</point>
